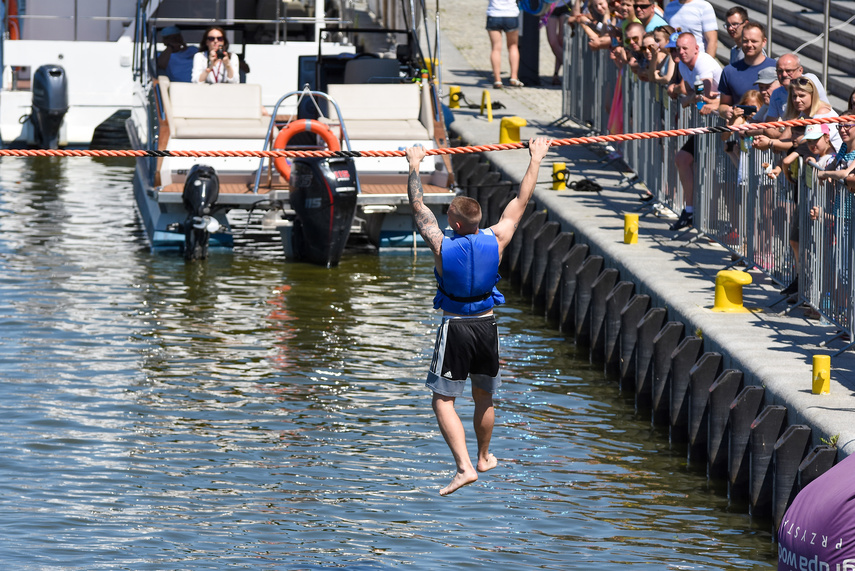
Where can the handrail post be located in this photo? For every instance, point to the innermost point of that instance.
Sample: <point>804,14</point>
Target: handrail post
<point>769,26</point>
<point>825,40</point>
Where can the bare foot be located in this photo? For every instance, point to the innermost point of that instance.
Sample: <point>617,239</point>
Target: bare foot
<point>487,464</point>
<point>459,480</point>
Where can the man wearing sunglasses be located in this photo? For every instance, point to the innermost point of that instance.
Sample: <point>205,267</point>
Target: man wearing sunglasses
<point>645,10</point>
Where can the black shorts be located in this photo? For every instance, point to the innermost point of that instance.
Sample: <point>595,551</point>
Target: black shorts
<point>690,145</point>
<point>794,227</point>
<point>560,11</point>
<point>465,347</point>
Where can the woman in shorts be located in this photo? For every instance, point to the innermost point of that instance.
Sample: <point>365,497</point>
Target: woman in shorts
<point>503,16</point>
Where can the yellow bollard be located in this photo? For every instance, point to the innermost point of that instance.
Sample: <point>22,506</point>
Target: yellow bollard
<point>485,102</point>
<point>630,228</point>
<point>728,290</point>
<point>454,97</point>
<point>821,375</point>
<point>432,66</point>
<point>509,130</point>
<point>559,176</point>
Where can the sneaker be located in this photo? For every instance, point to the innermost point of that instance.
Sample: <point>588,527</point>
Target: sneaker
<point>791,289</point>
<point>685,219</point>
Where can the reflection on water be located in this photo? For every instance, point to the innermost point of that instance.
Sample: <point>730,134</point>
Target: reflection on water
<point>255,413</point>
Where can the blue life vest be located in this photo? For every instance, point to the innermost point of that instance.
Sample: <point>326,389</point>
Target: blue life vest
<point>470,272</point>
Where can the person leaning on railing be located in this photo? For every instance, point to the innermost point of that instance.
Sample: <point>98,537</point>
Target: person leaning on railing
<point>662,65</point>
<point>788,68</point>
<point>803,101</point>
<point>741,76</point>
<point>698,70</point>
<point>844,161</point>
<point>596,23</point>
<point>632,48</point>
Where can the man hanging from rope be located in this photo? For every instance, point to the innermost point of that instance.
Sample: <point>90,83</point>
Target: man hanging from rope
<point>467,343</point>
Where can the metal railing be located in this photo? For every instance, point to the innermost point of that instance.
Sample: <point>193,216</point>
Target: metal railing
<point>768,223</point>
<point>826,247</point>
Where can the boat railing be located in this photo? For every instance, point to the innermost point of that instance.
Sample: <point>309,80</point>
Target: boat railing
<point>301,95</point>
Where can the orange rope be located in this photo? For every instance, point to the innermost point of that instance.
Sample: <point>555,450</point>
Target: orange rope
<point>443,151</point>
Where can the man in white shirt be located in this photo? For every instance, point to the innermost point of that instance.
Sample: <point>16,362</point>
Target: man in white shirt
<point>696,68</point>
<point>698,17</point>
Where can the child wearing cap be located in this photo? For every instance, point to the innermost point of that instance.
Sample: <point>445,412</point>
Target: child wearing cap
<point>818,140</point>
<point>843,163</point>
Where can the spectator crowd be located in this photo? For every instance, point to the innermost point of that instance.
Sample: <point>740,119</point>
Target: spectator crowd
<point>676,45</point>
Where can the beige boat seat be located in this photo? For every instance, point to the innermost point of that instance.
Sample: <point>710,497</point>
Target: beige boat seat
<point>210,111</point>
<point>380,111</point>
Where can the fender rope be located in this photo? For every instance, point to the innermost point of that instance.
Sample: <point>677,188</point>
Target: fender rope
<point>443,151</point>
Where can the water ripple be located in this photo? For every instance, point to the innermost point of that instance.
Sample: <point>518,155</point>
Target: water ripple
<point>249,412</point>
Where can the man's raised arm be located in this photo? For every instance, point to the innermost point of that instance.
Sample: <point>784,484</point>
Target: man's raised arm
<point>506,226</point>
<point>424,218</point>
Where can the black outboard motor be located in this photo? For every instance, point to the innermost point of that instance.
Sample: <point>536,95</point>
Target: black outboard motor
<point>50,103</point>
<point>323,194</point>
<point>201,190</point>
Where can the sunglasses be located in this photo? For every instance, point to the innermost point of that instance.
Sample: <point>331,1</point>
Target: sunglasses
<point>803,81</point>
<point>736,25</point>
<point>642,6</point>
<point>215,38</point>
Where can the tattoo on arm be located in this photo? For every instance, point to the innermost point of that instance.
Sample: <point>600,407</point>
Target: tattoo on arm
<point>425,220</point>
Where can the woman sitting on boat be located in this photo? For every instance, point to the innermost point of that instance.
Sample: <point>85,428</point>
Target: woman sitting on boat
<point>213,63</point>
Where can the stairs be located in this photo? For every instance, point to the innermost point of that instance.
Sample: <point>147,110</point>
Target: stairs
<point>796,22</point>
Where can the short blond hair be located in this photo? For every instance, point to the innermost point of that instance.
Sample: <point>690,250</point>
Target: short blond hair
<point>466,210</point>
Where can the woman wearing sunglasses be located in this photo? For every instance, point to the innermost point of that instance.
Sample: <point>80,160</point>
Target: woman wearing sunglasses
<point>213,63</point>
<point>803,102</point>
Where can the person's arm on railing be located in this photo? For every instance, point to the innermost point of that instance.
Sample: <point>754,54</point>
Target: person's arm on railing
<point>840,174</point>
<point>784,143</point>
<point>725,107</point>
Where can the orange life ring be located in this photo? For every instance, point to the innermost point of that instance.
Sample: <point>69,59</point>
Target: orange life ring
<point>301,126</point>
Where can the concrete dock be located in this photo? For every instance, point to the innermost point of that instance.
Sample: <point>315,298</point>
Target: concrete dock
<point>773,350</point>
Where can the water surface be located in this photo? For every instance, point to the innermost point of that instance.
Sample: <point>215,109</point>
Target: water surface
<point>252,413</point>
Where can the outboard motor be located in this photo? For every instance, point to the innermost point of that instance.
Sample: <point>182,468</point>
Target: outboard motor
<point>323,194</point>
<point>201,190</point>
<point>50,104</point>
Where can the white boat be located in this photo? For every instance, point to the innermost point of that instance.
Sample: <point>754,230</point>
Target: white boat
<point>85,89</point>
<point>357,101</point>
